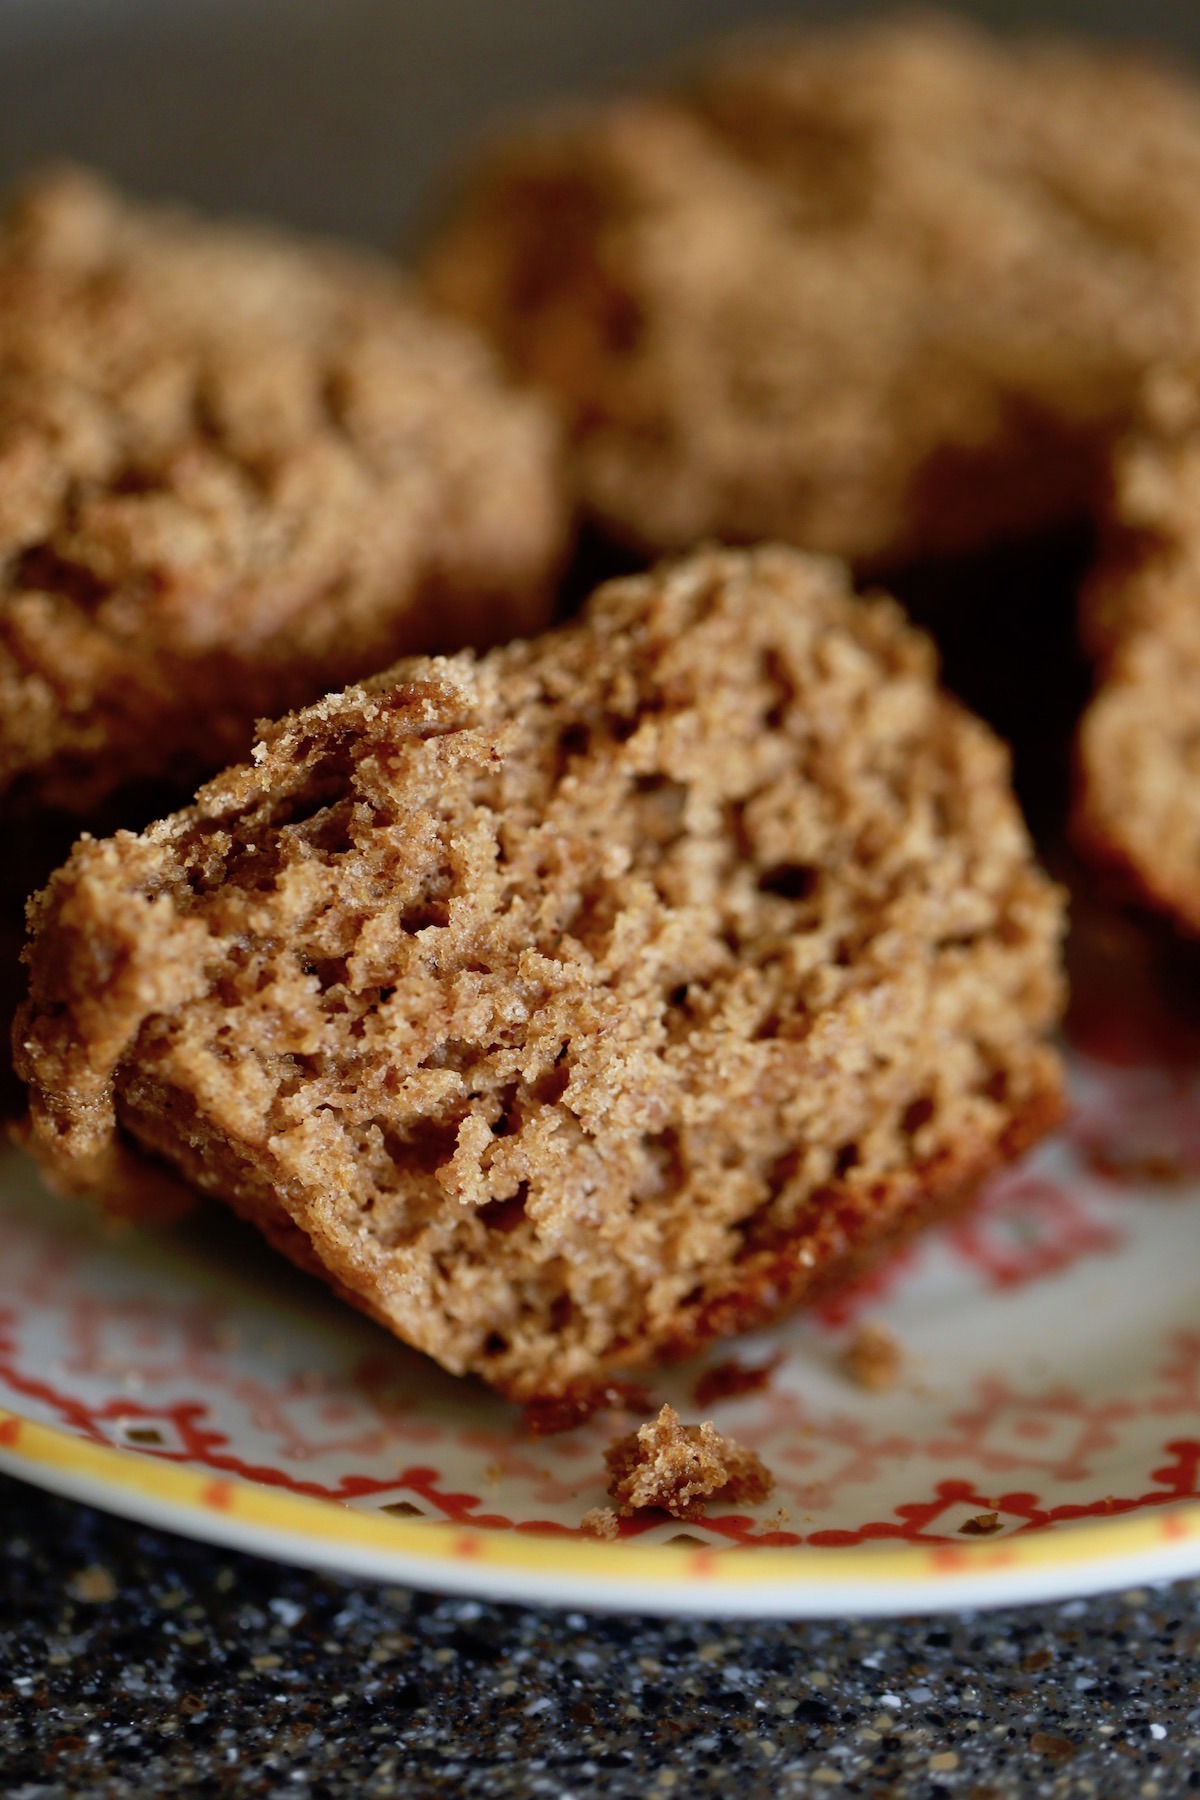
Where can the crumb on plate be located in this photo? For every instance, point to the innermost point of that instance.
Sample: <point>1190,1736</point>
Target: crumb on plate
<point>599,1522</point>
<point>676,1466</point>
<point>873,1358</point>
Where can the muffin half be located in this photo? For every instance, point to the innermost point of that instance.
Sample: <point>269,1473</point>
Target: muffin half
<point>570,1005</point>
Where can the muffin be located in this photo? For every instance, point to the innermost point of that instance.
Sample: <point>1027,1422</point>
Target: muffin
<point>1138,795</point>
<point>881,290</point>
<point>237,469</point>
<point>570,1005</point>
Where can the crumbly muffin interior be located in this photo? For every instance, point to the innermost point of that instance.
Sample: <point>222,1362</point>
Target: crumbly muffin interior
<point>556,1002</point>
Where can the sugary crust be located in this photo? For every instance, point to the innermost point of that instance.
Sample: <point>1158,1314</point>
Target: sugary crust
<point>236,470</point>
<point>881,290</point>
<point>568,1007</point>
<point>1138,788</point>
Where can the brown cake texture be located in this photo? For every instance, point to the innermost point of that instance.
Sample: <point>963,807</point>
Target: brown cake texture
<point>677,1467</point>
<point>237,469</point>
<point>571,1005</point>
<point>873,1358</point>
<point>1138,799</point>
<point>880,289</point>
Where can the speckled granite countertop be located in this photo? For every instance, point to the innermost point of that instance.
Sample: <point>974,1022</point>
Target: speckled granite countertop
<point>132,1662</point>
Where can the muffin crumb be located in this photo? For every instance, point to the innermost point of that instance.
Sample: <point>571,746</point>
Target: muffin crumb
<point>599,1522</point>
<point>668,1464</point>
<point>873,1358</point>
<point>982,1525</point>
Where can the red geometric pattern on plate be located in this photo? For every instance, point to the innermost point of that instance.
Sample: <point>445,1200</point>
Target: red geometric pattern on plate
<point>1031,1228</point>
<point>198,1444</point>
<point>851,1302</point>
<point>1025,1228</point>
<point>1139,1125</point>
<point>167,1376</point>
<point>914,1519</point>
<point>863,1451</point>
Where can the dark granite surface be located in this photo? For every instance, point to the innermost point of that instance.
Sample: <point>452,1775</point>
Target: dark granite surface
<point>132,1662</point>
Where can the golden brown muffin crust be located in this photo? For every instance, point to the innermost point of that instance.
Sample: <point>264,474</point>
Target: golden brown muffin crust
<point>236,469</point>
<point>573,1004</point>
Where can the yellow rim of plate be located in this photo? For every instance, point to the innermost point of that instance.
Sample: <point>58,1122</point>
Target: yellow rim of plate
<point>327,1523</point>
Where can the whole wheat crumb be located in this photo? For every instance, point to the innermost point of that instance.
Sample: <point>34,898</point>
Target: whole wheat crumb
<point>666,1463</point>
<point>573,1005</point>
<point>873,1358</point>
<point>599,1522</point>
<point>982,1525</point>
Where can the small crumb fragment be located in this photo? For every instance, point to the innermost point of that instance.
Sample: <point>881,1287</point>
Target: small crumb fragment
<point>873,1358</point>
<point>725,1380</point>
<point>675,1466</point>
<point>1157,1167</point>
<point>93,1585</point>
<point>982,1525</point>
<point>546,1418</point>
<point>599,1522</point>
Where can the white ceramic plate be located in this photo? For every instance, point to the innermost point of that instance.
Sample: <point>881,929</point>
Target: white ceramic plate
<point>1051,1344</point>
<point>1043,1438</point>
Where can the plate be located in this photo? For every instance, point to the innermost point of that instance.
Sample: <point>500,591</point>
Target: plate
<point>1041,1440</point>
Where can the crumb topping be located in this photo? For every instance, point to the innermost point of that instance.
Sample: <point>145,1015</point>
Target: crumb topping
<point>236,469</point>
<point>878,289</point>
<point>873,1358</point>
